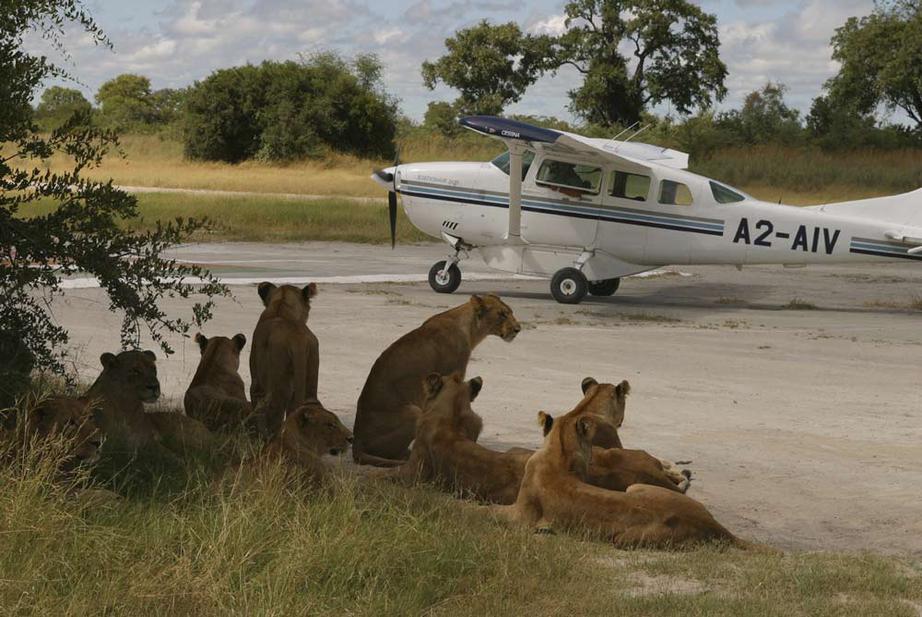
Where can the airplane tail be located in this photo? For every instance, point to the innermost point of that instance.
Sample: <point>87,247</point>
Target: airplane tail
<point>903,210</point>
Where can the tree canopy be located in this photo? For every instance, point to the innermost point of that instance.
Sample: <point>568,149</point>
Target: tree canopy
<point>58,104</point>
<point>77,228</point>
<point>491,66</point>
<point>674,57</point>
<point>881,60</point>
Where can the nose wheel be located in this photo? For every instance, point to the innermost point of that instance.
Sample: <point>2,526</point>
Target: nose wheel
<point>569,286</point>
<point>444,278</point>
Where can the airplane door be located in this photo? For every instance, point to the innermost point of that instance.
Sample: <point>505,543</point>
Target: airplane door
<point>624,216</point>
<point>560,200</point>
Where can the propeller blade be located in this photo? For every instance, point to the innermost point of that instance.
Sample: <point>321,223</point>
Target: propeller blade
<point>392,215</point>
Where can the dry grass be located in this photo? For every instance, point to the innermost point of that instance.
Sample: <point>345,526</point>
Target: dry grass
<point>266,546</point>
<point>796,304</point>
<point>269,218</point>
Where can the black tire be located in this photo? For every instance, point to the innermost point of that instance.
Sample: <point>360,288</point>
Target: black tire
<point>605,287</point>
<point>448,282</point>
<point>569,286</point>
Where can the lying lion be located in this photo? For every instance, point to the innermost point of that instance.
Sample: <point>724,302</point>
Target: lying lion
<point>554,494</point>
<point>393,396</point>
<point>128,381</point>
<point>285,357</point>
<point>217,397</point>
<point>446,451</point>
<point>308,433</point>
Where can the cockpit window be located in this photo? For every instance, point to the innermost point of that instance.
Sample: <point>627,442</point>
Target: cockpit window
<point>674,193</point>
<point>725,195</point>
<point>502,162</point>
<point>584,178</point>
<point>630,186</point>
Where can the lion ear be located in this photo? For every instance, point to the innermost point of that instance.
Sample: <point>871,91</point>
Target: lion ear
<point>240,340</point>
<point>587,383</point>
<point>475,385</point>
<point>623,389</point>
<point>202,341</point>
<point>265,288</point>
<point>545,421</point>
<point>150,355</point>
<point>480,307</point>
<point>309,291</point>
<point>107,360</point>
<point>433,384</point>
<point>585,427</point>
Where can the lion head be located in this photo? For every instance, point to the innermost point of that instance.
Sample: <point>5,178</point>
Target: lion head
<point>495,317</point>
<point>448,398</point>
<point>570,437</point>
<point>135,370</point>
<point>294,302</point>
<point>312,430</point>
<point>220,351</point>
<point>70,419</point>
<point>605,402</point>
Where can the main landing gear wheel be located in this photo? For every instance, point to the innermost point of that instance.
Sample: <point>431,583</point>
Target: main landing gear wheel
<point>569,286</point>
<point>444,280</point>
<point>606,287</point>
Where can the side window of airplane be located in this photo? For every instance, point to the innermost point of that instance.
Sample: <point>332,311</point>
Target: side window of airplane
<point>630,186</point>
<point>584,178</point>
<point>674,193</point>
<point>502,161</point>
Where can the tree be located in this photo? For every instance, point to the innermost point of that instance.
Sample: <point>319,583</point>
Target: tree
<point>881,60</point>
<point>287,110</point>
<point>82,231</point>
<point>58,105</point>
<point>126,102</point>
<point>674,57</point>
<point>764,117</point>
<point>490,65</point>
<point>442,117</point>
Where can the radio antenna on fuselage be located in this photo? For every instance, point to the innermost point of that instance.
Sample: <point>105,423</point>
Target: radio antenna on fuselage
<point>615,138</point>
<point>642,129</point>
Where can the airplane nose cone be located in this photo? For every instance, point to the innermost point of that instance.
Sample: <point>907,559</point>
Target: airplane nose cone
<point>385,177</point>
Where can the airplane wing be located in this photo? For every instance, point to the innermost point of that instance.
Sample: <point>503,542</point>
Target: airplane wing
<point>629,156</point>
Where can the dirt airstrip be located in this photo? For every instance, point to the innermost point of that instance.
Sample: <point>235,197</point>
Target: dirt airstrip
<point>796,394</point>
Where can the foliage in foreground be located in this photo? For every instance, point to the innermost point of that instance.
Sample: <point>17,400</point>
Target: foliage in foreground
<point>205,543</point>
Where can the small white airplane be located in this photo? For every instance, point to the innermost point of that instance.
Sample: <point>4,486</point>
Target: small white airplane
<point>586,212</point>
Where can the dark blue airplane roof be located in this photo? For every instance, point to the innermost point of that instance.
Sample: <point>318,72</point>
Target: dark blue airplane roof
<point>509,129</point>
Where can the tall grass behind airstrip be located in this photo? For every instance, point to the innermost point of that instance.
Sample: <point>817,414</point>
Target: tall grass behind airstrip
<point>797,175</point>
<point>257,544</point>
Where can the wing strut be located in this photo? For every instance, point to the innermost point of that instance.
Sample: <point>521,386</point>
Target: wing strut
<point>514,231</point>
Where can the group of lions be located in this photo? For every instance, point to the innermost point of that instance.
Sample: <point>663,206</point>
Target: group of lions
<point>413,419</point>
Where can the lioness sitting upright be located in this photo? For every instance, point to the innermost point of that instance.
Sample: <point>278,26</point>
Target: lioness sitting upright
<point>393,396</point>
<point>217,396</point>
<point>446,451</point>
<point>554,494</point>
<point>285,358</point>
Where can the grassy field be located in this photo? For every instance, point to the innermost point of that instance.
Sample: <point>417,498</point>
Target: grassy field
<point>796,175</point>
<point>264,546</point>
<point>269,219</point>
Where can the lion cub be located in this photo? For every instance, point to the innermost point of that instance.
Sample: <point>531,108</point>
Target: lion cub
<point>285,357</point>
<point>217,397</point>
<point>554,494</point>
<point>393,396</point>
<point>446,450</point>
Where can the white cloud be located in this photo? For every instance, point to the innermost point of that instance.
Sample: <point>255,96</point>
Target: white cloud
<point>554,25</point>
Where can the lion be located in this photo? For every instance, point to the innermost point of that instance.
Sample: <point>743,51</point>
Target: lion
<point>446,451</point>
<point>70,419</point>
<point>285,357</point>
<point>553,494</point>
<point>390,402</point>
<point>307,433</point>
<point>117,397</point>
<point>217,397</point>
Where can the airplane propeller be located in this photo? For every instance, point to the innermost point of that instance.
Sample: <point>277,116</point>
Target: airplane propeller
<point>391,196</point>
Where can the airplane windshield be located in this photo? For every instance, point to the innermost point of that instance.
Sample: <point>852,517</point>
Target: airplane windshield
<point>725,195</point>
<point>502,162</point>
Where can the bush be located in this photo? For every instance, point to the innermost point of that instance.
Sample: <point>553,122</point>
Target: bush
<point>288,110</point>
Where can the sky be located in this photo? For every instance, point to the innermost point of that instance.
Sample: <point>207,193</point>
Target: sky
<point>177,42</point>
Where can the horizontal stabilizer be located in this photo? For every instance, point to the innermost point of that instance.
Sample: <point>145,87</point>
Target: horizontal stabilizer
<point>901,210</point>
